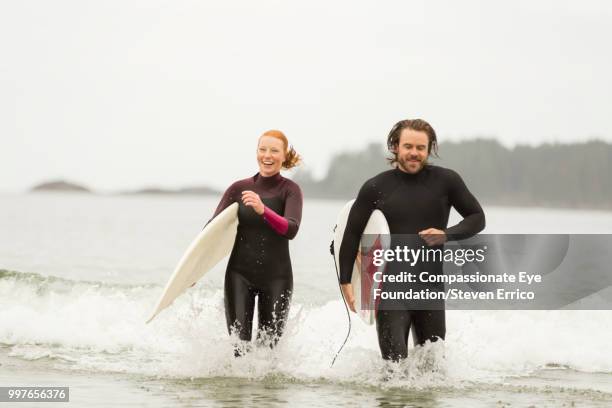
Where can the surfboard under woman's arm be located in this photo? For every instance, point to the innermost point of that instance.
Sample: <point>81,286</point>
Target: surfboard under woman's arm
<point>230,196</point>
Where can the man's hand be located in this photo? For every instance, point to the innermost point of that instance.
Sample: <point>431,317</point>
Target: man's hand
<point>433,236</point>
<point>251,199</point>
<point>349,296</point>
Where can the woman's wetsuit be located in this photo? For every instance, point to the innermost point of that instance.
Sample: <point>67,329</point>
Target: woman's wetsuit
<point>259,265</point>
<point>411,203</point>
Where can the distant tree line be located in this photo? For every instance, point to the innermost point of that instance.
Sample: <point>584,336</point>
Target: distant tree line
<point>554,175</point>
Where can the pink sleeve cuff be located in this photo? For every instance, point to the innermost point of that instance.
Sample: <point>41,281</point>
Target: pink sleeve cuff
<point>278,223</point>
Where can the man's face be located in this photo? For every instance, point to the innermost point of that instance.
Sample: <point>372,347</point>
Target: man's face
<point>412,150</point>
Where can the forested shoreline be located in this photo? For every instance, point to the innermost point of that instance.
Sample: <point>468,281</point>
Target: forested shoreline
<point>573,175</point>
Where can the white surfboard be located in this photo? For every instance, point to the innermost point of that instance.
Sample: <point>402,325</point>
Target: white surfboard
<point>376,235</point>
<point>211,245</point>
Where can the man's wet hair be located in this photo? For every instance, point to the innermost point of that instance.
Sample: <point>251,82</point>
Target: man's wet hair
<point>415,124</point>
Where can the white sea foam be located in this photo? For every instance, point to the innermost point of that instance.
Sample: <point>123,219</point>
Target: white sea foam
<point>98,327</point>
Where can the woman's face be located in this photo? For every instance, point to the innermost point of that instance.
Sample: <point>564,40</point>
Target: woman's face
<point>270,155</point>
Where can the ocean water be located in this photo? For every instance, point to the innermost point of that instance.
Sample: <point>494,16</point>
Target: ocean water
<point>79,274</point>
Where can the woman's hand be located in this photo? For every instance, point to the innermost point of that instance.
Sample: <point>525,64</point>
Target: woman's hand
<point>251,199</point>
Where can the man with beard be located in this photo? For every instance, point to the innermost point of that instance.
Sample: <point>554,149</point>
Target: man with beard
<point>416,198</point>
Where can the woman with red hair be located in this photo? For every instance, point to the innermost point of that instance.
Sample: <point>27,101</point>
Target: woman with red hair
<point>269,214</point>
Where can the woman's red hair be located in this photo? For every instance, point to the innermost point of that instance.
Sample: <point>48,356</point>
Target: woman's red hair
<point>292,158</point>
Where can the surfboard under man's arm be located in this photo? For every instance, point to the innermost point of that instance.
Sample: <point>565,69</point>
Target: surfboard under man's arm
<point>357,221</point>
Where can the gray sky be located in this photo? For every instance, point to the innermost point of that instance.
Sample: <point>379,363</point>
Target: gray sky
<point>123,94</point>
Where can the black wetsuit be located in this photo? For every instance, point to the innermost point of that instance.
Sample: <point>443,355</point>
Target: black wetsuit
<point>259,265</point>
<point>411,203</point>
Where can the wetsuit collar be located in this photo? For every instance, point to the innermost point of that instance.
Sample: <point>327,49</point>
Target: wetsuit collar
<point>268,181</point>
<point>410,176</point>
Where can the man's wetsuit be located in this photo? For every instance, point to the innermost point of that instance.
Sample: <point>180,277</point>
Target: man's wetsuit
<point>411,203</point>
<point>259,264</point>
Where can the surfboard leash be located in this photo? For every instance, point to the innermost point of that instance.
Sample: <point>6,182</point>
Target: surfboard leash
<point>348,315</point>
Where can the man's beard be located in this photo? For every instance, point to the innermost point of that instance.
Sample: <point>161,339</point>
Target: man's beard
<point>404,165</point>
